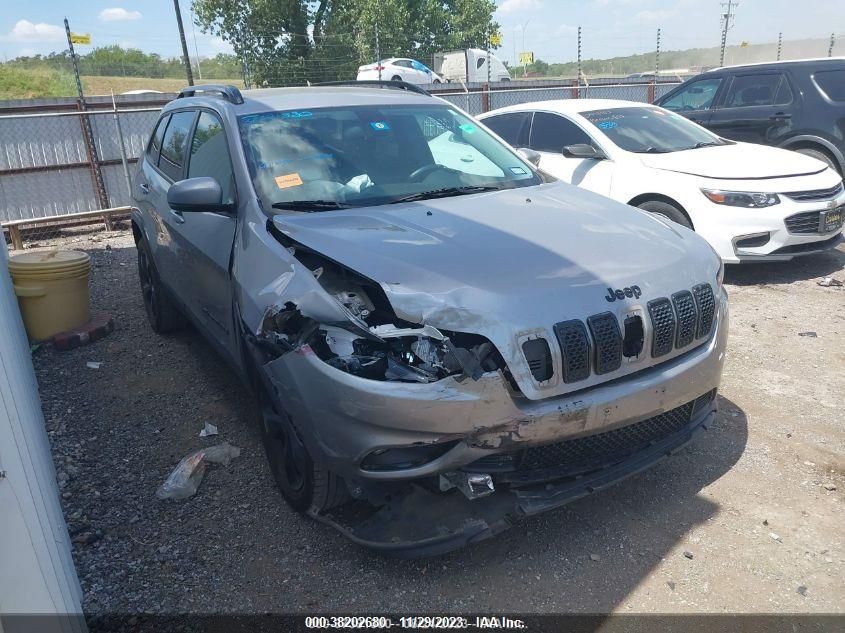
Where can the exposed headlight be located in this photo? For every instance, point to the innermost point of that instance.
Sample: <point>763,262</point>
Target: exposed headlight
<point>746,199</point>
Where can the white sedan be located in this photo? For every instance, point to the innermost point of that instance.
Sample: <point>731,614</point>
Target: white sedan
<point>751,202</point>
<point>399,69</point>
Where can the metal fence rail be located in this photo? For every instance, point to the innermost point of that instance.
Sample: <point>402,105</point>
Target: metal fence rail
<point>48,170</point>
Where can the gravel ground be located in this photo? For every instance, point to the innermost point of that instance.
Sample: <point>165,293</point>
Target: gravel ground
<point>746,519</point>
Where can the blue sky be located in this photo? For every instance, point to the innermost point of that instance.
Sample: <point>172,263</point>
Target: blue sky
<point>609,27</point>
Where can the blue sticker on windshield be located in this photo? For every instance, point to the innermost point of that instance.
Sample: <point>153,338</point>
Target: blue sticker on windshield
<point>606,125</point>
<point>297,114</point>
<point>380,126</point>
<point>467,128</point>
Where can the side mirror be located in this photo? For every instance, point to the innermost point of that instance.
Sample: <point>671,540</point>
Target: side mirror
<point>582,150</point>
<point>530,155</point>
<point>197,194</point>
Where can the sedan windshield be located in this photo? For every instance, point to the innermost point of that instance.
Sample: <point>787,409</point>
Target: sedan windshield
<point>335,158</point>
<point>647,130</point>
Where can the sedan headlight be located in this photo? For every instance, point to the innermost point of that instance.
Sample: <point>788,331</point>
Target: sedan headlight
<point>747,199</point>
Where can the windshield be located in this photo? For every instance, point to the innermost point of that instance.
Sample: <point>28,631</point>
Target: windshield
<point>332,158</point>
<point>650,130</point>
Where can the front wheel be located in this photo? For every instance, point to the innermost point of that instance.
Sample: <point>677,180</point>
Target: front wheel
<point>666,210</point>
<point>396,78</point>
<point>306,485</point>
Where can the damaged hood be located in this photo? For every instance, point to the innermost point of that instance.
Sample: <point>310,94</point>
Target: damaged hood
<point>737,161</point>
<point>506,261</point>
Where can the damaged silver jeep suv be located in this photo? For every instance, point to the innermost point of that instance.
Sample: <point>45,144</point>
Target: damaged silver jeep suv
<point>441,340</point>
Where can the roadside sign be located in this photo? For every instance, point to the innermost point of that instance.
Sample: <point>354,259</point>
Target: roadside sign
<point>526,57</point>
<point>495,39</point>
<point>80,38</point>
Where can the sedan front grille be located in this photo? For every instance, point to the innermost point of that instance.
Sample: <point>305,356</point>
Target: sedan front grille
<point>807,222</point>
<point>815,194</point>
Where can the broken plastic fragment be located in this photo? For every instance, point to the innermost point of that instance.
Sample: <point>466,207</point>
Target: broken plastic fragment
<point>208,430</point>
<point>184,480</point>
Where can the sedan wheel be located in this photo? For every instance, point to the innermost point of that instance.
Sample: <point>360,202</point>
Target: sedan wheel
<point>666,210</point>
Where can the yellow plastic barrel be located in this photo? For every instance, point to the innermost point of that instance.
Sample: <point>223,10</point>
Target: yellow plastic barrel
<point>52,290</point>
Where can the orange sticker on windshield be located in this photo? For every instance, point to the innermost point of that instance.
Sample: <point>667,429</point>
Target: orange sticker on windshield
<point>288,180</point>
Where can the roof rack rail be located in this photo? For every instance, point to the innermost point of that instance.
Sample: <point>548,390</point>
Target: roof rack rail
<point>228,92</point>
<point>376,83</point>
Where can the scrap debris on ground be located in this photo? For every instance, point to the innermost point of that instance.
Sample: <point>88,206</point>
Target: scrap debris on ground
<point>694,534</point>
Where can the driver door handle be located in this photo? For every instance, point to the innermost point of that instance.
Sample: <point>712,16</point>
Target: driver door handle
<point>780,116</point>
<point>144,187</point>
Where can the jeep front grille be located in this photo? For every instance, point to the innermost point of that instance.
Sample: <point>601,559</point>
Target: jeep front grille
<point>575,345</point>
<point>705,303</point>
<point>599,347</point>
<point>608,339</point>
<point>663,322</point>
<point>687,318</point>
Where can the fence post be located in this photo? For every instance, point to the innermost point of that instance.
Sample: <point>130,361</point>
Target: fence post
<point>651,90</point>
<point>122,148</point>
<point>485,98</point>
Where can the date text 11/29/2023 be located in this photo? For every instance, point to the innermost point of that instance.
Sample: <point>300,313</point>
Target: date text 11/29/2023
<point>412,622</point>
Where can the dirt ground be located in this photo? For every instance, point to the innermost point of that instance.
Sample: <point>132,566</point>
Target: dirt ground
<point>749,518</point>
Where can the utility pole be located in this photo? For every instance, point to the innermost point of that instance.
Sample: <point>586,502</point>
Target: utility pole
<point>489,34</point>
<point>196,48</point>
<point>378,55</point>
<point>830,48</point>
<point>185,56</point>
<point>730,5</point>
<point>578,80</point>
<point>780,44</point>
<point>657,57</point>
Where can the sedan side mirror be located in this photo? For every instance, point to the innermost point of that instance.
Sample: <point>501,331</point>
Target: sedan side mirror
<point>530,155</point>
<point>582,150</point>
<point>197,194</point>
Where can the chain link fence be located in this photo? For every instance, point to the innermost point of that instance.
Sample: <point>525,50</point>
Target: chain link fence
<point>53,180</point>
<point>55,177</point>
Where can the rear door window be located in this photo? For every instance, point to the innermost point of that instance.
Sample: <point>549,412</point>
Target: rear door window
<point>756,90</point>
<point>552,132</point>
<point>512,127</point>
<point>831,83</point>
<point>173,146</point>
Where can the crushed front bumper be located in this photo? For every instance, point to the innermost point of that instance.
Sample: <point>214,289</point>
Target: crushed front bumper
<point>420,523</point>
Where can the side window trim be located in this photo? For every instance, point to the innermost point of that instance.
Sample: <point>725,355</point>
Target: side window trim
<point>190,144</point>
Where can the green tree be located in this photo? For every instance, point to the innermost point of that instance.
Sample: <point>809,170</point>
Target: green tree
<point>288,42</point>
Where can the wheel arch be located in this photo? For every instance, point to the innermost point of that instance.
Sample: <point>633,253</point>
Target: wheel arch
<point>817,143</point>
<point>659,197</point>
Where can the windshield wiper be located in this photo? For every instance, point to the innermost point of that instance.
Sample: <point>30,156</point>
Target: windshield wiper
<point>701,144</point>
<point>654,150</point>
<point>444,193</point>
<point>310,205</point>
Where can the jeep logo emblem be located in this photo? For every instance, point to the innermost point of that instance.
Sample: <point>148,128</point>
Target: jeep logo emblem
<point>632,292</point>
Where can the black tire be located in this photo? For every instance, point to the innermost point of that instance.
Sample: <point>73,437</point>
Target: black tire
<point>819,155</point>
<point>306,485</point>
<point>396,78</point>
<point>162,312</point>
<point>667,210</point>
<point>436,81</point>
